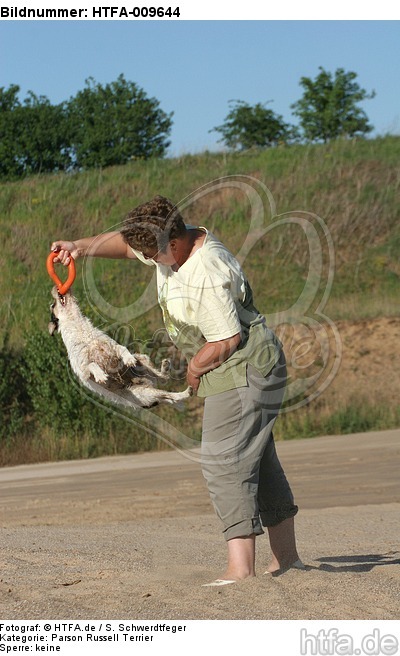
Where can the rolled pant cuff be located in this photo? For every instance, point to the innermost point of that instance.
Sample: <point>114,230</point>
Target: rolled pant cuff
<point>278,515</point>
<point>244,529</point>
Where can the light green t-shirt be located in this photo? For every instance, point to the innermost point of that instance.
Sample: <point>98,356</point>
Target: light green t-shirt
<point>209,299</point>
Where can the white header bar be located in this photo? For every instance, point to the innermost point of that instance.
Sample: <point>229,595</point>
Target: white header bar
<point>181,10</point>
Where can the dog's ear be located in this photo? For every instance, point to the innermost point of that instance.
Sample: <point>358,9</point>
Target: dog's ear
<point>52,326</point>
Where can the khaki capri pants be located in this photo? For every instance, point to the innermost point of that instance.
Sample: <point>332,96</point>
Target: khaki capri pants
<point>245,480</point>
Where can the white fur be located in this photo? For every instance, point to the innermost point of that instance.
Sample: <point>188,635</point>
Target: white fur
<point>106,367</point>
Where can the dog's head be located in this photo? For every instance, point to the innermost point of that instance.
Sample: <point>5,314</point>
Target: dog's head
<point>57,308</point>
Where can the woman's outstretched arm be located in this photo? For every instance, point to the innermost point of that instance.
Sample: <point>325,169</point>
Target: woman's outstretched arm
<point>108,244</point>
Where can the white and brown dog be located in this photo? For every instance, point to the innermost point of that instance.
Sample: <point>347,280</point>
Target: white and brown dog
<point>103,365</point>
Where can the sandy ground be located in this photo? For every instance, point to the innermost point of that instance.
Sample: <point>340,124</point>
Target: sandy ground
<point>134,537</point>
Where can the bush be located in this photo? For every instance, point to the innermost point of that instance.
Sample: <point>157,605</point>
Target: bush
<point>14,398</point>
<point>57,400</point>
<point>48,415</point>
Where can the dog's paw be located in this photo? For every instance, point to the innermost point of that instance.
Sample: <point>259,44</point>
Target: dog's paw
<point>98,374</point>
<point>129,361</point>
<point>127,357</point>
<point>101,378</point>
<point>165,366</point>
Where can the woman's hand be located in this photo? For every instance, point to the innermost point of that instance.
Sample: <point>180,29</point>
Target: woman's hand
<point>65,250</point>
<point>192,379</point>
<point>210,356</point>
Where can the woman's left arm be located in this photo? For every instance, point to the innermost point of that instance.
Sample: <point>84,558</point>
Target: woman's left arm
<point>210,356</point>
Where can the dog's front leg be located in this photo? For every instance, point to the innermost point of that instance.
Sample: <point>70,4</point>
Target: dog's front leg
<point>126,356</point>
<point>97,372</point>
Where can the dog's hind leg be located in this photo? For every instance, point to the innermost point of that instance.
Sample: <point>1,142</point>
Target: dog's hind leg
<point>148,397</point>
<point>160,374</point>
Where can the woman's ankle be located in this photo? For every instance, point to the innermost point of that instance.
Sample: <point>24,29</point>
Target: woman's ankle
<point>238,574</point>
<point>241,558</point>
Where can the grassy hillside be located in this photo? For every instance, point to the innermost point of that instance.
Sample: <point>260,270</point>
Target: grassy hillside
<point>352,186</point>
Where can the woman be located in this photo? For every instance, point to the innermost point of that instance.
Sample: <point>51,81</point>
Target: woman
<point>234,360</point>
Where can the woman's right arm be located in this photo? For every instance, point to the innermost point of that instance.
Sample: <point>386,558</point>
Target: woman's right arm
<point>108,244</point>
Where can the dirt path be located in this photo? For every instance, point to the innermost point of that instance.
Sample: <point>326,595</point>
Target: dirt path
<point>135,536</point>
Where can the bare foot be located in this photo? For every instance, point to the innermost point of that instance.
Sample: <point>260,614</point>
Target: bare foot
<point>274,567</point>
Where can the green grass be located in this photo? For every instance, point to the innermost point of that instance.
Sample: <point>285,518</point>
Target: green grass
<point>352,186</point>
<point>356,415</point>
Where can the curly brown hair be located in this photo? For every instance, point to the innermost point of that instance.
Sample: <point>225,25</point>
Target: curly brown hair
<point>150,226</point>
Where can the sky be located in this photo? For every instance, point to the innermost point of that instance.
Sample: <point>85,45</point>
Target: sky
<point>194,68</point>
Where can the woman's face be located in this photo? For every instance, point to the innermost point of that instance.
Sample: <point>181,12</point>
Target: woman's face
<point>164,256</point>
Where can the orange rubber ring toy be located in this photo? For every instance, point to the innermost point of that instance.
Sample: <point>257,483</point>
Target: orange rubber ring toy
<point>62,287</point>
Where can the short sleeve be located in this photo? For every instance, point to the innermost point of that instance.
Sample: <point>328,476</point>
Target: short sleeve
<point>215,310</point>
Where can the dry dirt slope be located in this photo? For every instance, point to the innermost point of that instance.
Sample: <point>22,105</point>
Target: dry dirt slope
<point>367,353</point>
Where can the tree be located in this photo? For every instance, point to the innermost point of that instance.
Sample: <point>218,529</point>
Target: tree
<point>33,135</point>
<point>116,122</point>
<point>246,126</point>
<point>10,166</point>
<point>100,126</point>
<point>44,141</point>
<point>329,106</point>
